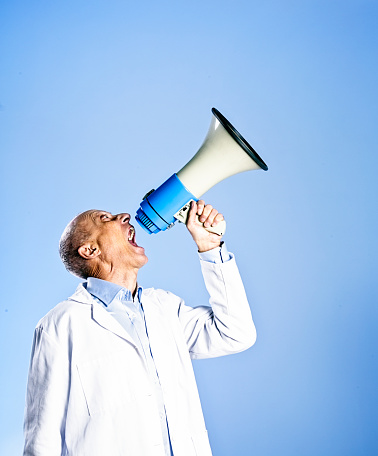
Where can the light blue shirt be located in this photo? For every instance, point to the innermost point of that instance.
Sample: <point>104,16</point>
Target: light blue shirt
<point>128,311</point>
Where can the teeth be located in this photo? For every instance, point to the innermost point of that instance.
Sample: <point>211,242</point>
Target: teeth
<point>131,234</point>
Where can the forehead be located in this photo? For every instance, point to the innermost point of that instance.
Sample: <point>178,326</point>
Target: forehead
<point>90,217</point>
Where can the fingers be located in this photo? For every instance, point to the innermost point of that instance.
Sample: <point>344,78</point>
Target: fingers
<point>200,218</point>
<point>207,214</point>
<point>200,207</point>
<point>219,217</point>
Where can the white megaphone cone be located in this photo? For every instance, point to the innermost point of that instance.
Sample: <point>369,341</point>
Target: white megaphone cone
<point>223,153</point>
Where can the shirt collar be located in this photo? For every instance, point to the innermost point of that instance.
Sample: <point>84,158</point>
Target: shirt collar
<point>107,291</point>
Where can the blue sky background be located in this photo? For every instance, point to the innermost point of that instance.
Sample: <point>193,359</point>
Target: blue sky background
<point>101,101</point>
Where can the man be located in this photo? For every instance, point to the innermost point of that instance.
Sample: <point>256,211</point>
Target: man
<point>110,371</point>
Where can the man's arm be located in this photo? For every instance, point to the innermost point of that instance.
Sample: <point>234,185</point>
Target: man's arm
<point>227,326</point>
<point>46,397</point>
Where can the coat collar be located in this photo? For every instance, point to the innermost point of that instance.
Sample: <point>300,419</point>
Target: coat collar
<point>83,296</point>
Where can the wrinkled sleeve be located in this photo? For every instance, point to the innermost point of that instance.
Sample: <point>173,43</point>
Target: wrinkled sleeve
<point>226,326</point>
<point>46,398</point>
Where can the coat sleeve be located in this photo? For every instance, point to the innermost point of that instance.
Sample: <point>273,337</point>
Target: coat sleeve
<point>227,326</point>
<point>46,397</point>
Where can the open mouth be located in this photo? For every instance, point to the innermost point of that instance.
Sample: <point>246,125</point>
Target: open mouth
<point>131,236</point>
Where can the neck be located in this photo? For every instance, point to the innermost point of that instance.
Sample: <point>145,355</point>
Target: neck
<point>127,279</point>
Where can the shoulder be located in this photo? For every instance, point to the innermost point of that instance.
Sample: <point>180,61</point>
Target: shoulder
<point>158,293</point>
<point>63,310</point>
<point>162,298</point>
<point>67,314</point>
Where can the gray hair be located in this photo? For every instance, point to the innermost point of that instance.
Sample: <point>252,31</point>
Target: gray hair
<point>73,237</point>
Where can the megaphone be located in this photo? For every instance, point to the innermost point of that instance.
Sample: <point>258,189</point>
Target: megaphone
<point>223,153</point>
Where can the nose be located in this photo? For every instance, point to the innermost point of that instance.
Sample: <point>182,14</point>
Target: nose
<point>124,217</point>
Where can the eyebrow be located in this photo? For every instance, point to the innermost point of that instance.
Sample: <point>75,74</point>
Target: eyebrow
<point>99,213</point>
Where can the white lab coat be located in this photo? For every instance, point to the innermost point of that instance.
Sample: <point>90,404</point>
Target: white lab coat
<point>89,392</point>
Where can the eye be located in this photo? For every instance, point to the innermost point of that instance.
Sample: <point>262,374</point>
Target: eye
<point>105,217</point>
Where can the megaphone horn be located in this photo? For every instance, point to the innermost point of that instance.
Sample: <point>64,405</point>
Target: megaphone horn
<point>223,153</point>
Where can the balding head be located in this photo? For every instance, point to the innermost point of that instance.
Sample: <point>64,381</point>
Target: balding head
<point>75,235</point>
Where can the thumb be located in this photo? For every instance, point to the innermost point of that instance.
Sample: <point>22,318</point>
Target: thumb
<point>192,213</point>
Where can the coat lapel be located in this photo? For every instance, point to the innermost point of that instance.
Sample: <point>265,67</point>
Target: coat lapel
<point>106,320</point>
<point>101,316</point>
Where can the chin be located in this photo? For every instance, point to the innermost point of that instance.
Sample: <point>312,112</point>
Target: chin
<point>144,261</point>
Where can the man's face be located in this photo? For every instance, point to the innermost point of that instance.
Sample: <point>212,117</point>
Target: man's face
<point>114,236</point>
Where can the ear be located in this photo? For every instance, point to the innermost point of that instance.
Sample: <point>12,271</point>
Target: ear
<point>89,251</point>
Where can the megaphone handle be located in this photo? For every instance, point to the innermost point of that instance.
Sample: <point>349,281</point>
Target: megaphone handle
<point>219,229</point>
<point>182,215</point>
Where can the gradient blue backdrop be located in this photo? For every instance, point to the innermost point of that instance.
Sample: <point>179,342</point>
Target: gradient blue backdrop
<point>101,101</point>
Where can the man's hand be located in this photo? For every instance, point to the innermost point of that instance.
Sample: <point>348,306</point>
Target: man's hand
<point>208,216</point>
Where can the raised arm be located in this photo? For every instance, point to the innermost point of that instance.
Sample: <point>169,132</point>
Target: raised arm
<point>226,326</point>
